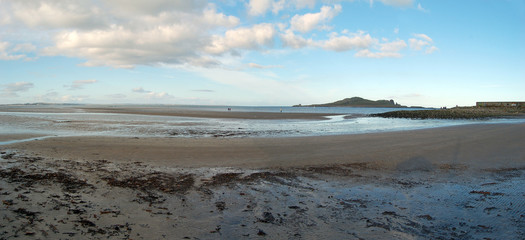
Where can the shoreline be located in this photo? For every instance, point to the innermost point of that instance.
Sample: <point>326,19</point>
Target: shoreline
<point>441,183</point>
<point>71,196</point>
<point>478,144</point>
<point>167,111</point>
<point>211,114</point>
<point>457,113</point>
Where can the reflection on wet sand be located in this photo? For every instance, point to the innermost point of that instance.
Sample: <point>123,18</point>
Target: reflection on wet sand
<point>53,198</point>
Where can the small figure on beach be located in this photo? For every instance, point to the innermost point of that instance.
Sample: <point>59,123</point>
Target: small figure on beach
<point>229,109</point>
<point>281,110</point>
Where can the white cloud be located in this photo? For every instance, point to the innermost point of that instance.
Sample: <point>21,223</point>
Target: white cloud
<point>348,42</point>
<point>278,6</point>
<point>140,90</point>
<point>213,18</point>
<point>431,49</point>
<point>6,53</point>
<point>159,95</point>
<point>363,43</point>
<point>417,44</point>
<point>79,84</point>
<point>304,3</point>
<point>243,38</point>
<point>18,86</point>
<point>5,18</point>
<point>151,94</point>
<point>396,3</point>
<point>123,47</point>
<point>394,46</point>
<point>259,7</point>
<point>422,41</point>
<point>203,90</point>
<point>154,7</point>
<point>12,89</point>
<point>290,39</point>
<point>420,8</point>
<point>255,65</point>
<point>24,47</point>
<point>56,13</point>
<point>169,38</point>
<point>310,21</point>
<point>368,54</point>
<point>51,96</point>
<point>386,50</point>
<point>127,33</point>
<point>423,36</point>
<point>71,98</point>
<point>136,33</point>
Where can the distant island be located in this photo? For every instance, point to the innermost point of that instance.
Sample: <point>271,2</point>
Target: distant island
<point>357,102</point>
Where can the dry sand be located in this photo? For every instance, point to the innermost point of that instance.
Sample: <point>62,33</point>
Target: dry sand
<point>456,182</point>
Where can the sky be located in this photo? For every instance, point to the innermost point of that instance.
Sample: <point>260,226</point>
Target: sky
<point>262,52</point>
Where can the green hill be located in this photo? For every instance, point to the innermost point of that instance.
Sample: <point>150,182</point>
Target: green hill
<point>357,102</point>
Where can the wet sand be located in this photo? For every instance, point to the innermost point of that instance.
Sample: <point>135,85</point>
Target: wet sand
<point>461,182</point>
<point>475,146</point>
<point>161,111</point>
<point>101,199</point>
<point>14,137</point>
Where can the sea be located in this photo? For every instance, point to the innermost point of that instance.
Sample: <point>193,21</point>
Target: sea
<point>347,120</point>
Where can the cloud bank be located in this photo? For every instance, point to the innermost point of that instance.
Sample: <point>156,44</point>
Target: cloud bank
<point>124,34</point>
<point>152,94</point>
<point>79,84</point>
<point>12,89</point>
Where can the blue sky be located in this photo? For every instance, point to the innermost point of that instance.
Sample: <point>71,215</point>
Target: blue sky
<point>262,52</point>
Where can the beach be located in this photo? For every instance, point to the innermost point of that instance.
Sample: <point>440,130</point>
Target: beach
<point>476,146</point>
<point>262,119</point>
<point>159,111</point>
<point>437,183</point>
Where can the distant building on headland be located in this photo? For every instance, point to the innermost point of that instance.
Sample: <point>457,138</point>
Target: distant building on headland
<point>500,104</point>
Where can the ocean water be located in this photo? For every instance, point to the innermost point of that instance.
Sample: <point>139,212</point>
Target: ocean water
<point>287,109</point>
<point>105,124</point>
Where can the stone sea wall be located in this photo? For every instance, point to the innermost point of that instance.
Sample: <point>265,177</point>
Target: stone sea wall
<point>457,113</point>
<point>500,104</point>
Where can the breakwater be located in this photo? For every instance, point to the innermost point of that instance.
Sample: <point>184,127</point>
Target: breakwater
<point>457,113</point>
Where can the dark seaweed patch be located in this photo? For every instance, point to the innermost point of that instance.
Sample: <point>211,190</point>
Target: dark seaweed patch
<point>155,181</point>
<point>69,183</point>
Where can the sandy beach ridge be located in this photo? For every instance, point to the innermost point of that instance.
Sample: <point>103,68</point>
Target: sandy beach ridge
<point>162,111</point>
<point>498,145</point>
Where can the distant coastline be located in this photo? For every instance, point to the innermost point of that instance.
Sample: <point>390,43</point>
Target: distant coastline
<point>359,102</point>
